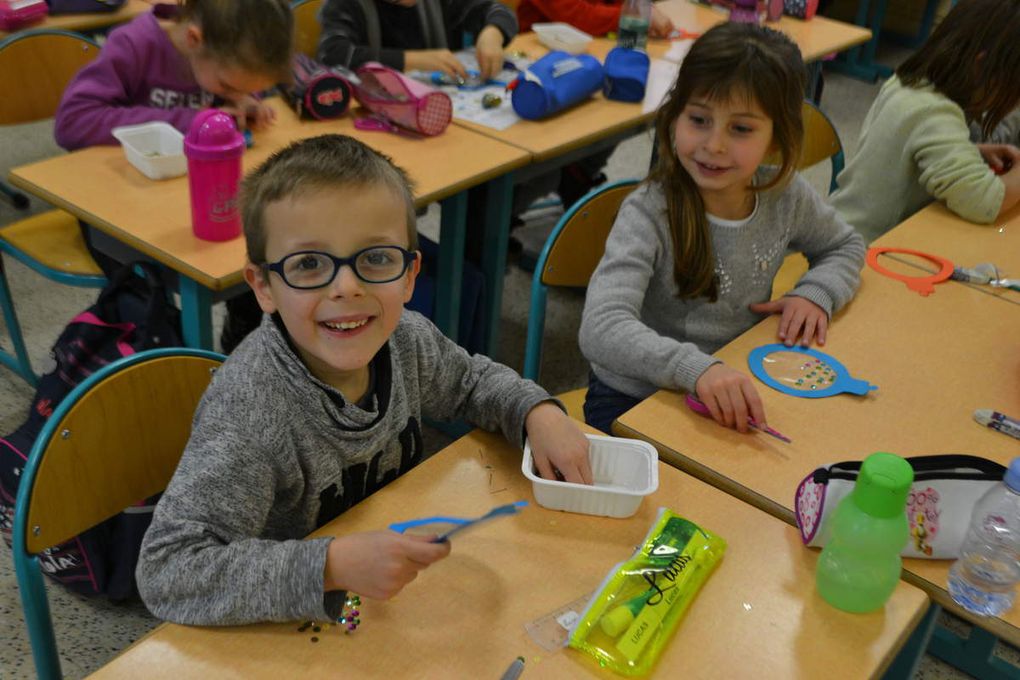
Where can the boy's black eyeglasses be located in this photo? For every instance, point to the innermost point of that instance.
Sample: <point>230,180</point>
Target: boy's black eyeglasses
<point>314,269</point>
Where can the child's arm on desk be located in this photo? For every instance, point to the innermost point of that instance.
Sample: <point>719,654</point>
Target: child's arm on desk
<point>379,564</point>
<point>100,98</point>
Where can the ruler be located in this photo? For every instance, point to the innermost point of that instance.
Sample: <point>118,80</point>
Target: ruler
<point>550,631</point>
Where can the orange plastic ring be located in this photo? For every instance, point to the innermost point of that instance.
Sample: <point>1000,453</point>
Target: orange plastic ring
<point>925,285</point>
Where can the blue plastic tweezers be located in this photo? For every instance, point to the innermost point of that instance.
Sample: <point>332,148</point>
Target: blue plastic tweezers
<point>460,523</point>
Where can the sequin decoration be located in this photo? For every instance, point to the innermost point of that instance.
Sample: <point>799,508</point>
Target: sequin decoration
<point>349,619</point>
<point>350,614</point>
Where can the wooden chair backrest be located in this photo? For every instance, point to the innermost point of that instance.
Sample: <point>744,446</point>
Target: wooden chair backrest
<point>820,139</point>
<point>307,27</point>
<point>35,68</point>
<point>118,444</point>
<point>579,247</point>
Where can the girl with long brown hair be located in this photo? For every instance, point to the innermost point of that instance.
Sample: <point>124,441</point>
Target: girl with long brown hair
<point>690,260</point>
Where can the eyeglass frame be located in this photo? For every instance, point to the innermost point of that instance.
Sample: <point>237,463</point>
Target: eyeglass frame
<point>410,256</point>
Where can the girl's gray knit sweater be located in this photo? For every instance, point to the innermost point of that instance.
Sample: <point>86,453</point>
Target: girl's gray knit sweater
<point>640,337</point>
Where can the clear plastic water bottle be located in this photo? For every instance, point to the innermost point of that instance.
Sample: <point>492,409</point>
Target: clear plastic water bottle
<point>860,565</point>
<point>983,580</point>
<point>635,16</point>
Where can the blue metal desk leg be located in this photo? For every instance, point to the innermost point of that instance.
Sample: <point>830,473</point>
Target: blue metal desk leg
<point>860,61</point>
<point>196,314</point>
<point>815,82</point>
<point>907,661</point>
<point>452,235</point>
<point>499,198</point>
<point>973,654</point>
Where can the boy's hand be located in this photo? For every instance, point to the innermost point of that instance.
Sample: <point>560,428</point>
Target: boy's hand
<point>434,60</point>
<point>660,25</point>
<point>557,444</point>
<point>489,51</point>
<point>800,317</point>
<point>1000,157</point>
<point>378,564</point>
<point>730,397</point>
<point>250,112</point>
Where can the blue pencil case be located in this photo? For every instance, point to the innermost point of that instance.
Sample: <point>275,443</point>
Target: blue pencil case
<point>555,82</point>
<point>626,75</point>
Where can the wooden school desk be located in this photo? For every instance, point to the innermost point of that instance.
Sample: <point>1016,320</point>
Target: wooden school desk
<point>464,617</point>
<point>816,38</point>
<point>935,360</point>
<point>936,230</point>
<point>99,186</point>
<point>90,21</point>
<point>602,124</point>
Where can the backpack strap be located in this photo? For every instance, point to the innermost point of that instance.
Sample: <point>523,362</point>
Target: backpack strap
<point>371,27</point>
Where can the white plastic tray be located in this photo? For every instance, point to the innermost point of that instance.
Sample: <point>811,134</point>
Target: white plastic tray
<point>624,470</point>
<point>156,149</point>
<point>560,36</point>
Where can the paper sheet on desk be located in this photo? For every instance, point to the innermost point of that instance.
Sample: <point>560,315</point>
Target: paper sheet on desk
<point>662,75</point>
<point>467,103</point>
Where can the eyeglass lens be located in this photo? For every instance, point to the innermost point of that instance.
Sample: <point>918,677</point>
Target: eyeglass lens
<point>375,265</point>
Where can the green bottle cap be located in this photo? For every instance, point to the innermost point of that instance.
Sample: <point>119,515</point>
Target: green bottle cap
<point>883,484</point>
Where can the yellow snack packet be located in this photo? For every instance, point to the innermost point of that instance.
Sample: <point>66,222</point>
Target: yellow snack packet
<point>639,604</point>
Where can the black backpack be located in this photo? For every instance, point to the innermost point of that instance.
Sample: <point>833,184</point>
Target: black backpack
<point>132,313</point>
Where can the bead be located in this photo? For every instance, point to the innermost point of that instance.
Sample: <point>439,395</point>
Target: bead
<point>355,612</point>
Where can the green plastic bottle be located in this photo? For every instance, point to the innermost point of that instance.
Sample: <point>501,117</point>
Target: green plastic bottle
<point>860,565</point>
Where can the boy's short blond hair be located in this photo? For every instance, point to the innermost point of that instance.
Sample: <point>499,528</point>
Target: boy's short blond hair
<point>310,165</point>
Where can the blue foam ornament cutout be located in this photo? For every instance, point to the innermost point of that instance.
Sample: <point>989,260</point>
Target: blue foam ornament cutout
<point>844,382</point>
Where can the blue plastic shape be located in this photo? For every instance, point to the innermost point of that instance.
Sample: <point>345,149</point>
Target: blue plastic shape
<point>844,381</point>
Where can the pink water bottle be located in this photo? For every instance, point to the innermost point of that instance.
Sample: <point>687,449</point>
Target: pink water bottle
<point>213,147</point>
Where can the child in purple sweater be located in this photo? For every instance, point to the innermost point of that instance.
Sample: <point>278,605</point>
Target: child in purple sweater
<point>167,64</point>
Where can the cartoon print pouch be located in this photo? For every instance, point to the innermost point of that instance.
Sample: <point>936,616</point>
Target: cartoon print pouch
<point>945,490</point>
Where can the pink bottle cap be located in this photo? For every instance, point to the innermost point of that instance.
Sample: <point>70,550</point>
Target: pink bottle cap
<point>213,136</point>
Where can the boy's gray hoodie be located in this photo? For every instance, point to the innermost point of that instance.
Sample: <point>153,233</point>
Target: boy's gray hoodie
<point>275,453</point>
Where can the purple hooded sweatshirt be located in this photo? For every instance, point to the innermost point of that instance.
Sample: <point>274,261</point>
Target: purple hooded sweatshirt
<point>138,77</point>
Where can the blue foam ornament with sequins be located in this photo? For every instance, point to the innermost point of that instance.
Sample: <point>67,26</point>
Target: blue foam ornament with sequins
<point>844,382</point>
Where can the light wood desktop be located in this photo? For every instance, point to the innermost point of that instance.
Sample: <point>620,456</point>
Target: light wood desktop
<point>816,38</point>
<point>99,186</point>
<point>936,230</point>
<point>600,118</point>
<point>89,21</point>
<point>935,360</point>
<point>575,128</point>
<point>464,617</point>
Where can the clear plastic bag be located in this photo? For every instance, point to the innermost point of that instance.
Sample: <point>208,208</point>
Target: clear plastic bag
<point>638,606</point>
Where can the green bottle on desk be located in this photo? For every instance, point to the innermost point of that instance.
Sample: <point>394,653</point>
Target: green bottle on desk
<point>860,565</point>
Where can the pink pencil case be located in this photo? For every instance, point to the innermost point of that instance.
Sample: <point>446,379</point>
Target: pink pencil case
<point>16,14</point>
<point>402,101</point>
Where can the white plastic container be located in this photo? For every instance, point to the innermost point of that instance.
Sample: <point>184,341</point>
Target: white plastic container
<point>560,36</point>
<point>624,470</point>
<point>156,149</point>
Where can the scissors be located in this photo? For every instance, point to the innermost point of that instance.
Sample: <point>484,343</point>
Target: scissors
<point>460,523</point>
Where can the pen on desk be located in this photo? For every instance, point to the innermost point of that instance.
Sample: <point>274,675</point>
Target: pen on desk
<point>998,421</point>
<point>515,669</point>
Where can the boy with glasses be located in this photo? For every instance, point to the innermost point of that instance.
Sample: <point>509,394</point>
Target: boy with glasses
<point>321,405</point>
